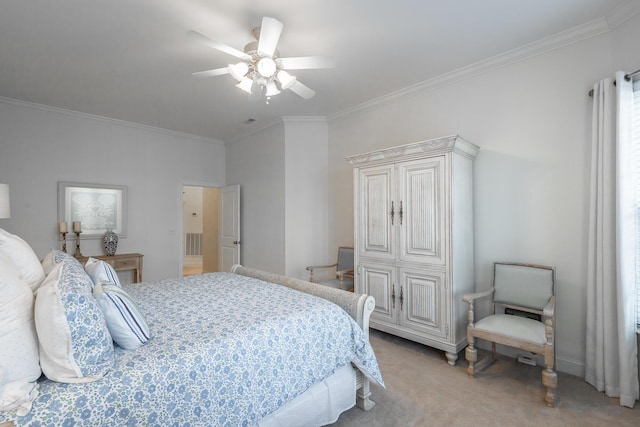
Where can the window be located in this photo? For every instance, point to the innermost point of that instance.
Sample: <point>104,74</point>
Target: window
<point>636,143</point>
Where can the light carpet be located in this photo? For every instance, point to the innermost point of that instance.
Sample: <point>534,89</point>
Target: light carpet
<point>423,390</point>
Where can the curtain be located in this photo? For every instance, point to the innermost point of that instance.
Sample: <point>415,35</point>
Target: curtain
<point>611,353</point>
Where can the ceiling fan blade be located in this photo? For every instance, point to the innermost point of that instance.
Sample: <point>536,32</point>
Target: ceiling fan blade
<point>212,73</point>
<point>218,45</point>
<point>304,91</point>
<point>269,35</point>
<point>305,62</point>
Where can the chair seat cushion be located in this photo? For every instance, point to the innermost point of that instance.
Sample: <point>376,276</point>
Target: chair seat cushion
<point>347,283</point>
<point>517,327</point>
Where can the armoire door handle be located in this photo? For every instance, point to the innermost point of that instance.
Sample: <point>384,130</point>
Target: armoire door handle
<point>392,213</point>
<point>393,296</point>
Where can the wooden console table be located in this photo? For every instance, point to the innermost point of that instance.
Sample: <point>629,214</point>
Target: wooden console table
<point>122,262</point>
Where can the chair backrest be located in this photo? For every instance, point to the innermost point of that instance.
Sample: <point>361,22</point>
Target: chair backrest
<point>523,285</point>
<point>345,258</point>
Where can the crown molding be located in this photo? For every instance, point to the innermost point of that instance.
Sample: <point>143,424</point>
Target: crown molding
<point>277,121</point>
<point>415,150</point>
<point>564,38</point>
<point>622,13</point>
<point>123,123</point>
<point>264,126</point>
<point>304,119</point>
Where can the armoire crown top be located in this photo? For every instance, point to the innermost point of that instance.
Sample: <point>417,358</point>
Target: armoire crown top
<point>444,144</point>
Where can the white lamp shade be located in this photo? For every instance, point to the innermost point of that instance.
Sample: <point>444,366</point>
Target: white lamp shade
<point>5,207</point>
<point>271,90</point>
<point>239,70</point>
<point>286,80</point>
<point>245,84</point>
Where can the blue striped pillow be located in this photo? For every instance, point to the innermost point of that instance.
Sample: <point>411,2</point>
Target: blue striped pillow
<point>100,271</point>
<point>126,324</point>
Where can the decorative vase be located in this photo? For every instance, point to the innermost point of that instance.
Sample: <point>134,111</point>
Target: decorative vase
<point>110,240</point>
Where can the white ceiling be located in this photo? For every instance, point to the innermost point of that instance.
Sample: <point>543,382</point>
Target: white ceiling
<point>130,59</point>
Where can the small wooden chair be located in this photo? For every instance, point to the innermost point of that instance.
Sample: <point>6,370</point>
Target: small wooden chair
<point>344,270</point>
<point>528,289</point>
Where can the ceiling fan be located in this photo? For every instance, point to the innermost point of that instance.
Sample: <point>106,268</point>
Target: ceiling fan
<point>261,70</point>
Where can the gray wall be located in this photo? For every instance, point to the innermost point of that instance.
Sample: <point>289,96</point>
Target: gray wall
<point>282,170</point>
<point>257,163</point>
<point>40,146</point>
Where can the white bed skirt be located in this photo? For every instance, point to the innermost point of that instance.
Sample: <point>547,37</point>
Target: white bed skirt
<point>320,405</point>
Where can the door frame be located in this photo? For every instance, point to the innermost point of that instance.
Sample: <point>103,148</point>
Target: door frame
<point>180,228</point>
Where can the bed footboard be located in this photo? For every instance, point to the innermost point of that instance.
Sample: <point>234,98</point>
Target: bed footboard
<point>358,306</point>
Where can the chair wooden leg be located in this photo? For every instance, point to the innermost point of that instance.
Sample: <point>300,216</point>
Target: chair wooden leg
<point>550,381</point>
<point>549,376</point>
<point>472,357</point>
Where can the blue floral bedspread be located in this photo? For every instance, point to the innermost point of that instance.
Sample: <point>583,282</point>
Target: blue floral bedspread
<point>226,350</point>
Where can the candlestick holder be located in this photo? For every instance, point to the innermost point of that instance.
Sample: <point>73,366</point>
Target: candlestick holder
<point>64,241</point>
<point>78,254</point>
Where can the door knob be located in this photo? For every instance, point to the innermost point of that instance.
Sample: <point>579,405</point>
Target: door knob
<point>236,242</point>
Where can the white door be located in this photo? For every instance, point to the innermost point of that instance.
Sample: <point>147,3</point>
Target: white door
<point>229,227</point>
<point>423,301</point>
<point>379,281</point>
<point>421,214</point>
<point>378,212</point>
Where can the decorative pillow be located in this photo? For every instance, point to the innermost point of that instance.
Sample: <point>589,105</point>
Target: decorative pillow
<point>55,257</point>
<point>126,324</point>
<point>23,257</point>
<point>19,361</point>
<point>100,271</point>
<point>75,344</point>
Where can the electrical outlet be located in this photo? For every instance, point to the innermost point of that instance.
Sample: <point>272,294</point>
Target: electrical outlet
<point>526,359</point>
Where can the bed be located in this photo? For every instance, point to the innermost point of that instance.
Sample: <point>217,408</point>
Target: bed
<point>231,349</point>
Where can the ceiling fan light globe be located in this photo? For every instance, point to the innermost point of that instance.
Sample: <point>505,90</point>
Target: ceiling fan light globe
<point>266,67</point>
<point>239,70</point>
<point>286,80</point>
<point>245,84</point>
<point>271,89</point>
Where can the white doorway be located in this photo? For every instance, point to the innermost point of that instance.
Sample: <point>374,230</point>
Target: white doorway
<point>200,225</point>
<point>210,229</point>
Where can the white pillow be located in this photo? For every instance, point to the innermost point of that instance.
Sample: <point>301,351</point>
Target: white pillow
<point>19,361</point>
<point>23,257</point>
<point>100,271</point>
<point>75,344</point>
<point>126,324</point>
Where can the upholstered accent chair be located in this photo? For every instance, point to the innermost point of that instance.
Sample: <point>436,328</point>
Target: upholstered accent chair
<point>344,270</point>
<point>524,295</point>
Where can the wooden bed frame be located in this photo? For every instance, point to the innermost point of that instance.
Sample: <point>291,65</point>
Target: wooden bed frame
<point>358,306</point>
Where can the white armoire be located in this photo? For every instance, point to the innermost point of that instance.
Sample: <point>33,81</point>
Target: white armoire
<point>413,207</point>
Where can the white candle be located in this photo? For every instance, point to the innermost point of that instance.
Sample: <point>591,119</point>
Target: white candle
<point>76,227</point>
<point>63,227</point>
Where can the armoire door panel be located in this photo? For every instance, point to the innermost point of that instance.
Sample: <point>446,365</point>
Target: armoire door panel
<point>379,283</point>
<point>423,201</point>
<point>378,213</point>
<point>424,296</point>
